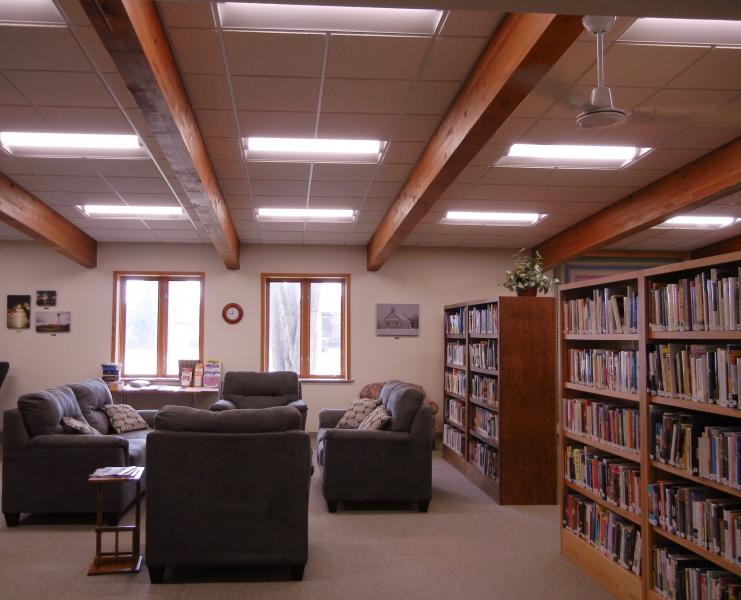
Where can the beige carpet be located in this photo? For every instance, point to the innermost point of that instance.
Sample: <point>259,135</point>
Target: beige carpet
<point>465,548</point>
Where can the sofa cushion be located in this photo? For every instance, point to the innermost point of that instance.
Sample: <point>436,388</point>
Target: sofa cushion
<point>401,400</point>
<point>252,383</point>
<point>359,409</point>
<point>92,395</point>
<point>185,418</point>
<point>124,418</point>
<point>241,401</point>
<point>78,426</point>
<point>43,411</point>
<point>320,443</point>
<point>378,419</point>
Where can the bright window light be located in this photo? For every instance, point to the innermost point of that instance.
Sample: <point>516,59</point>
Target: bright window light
<point>29,12</point>
<point>80,145</point>
<point>570,157</point>
<point>492,218</point>
<point>697,222</point>
<point>683,32</point>
<point>108,211</point>
<point>312,150</point>
<point>350,19</point>
<point>292,215</point>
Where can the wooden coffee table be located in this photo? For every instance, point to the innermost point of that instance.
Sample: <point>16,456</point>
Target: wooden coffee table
<point>117,562</point>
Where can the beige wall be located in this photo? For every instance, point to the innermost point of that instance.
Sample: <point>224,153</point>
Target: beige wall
<point>431,277</point>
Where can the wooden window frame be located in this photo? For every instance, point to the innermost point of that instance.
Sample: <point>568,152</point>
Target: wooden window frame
<point>306,279</point>
<point>119,315</point>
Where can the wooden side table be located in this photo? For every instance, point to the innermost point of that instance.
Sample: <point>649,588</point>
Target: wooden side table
<point>117,562</point>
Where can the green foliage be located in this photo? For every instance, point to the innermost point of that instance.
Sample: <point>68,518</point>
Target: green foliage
<point>527,272</point>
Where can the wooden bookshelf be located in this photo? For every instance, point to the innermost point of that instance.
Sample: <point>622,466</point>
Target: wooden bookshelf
<point>525,399</point>
<point>615,578</point>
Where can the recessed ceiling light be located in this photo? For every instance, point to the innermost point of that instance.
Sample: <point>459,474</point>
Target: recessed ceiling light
<point>349,19</point>
<point>683,32</point>
<point>492,218</point>
<point>312,150</point>
<point>108,211</point>
<point>71,145</point>
<point>30,12</point>
<point>293,215</point>
<point>697,222</point>
<point>558,156</point>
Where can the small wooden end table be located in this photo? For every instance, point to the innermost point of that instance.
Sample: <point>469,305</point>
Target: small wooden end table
<point>106,563</point>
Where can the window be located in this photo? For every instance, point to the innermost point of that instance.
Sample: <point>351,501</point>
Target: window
<point>158,320</point>
<point>305,327</point>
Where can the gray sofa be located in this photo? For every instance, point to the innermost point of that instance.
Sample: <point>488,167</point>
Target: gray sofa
<point>227,489</point>
<point>250,389</point>
<point>45,470</point>
<point>379,465</point>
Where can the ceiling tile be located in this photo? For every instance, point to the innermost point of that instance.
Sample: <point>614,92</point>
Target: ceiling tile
<point>333,227</point>
<point>128,235</point>
<point>324,237</point>
<point>41,49</point>
<point>143,167</point>
<point>375,56</point>
<point>9,94</point>
<point>558,131</point>
<point>512,176</point>
<point>374,203</point>
<point>574,177</point>
<point>275,93</point>
<point>229,169</point>
<point>59,166</point>
<point>568,105</point>
<point>488,154</point>
<point>339,188</point>
<point>234,186</point>
<point>511,131</point>
<point>217,123</point>
<point>415,128</point>
<point>705,136</point>
<point>681,105</point>
<point>384,188</point>
<point>452,58</point>
<point>282,237</point>
<point>632,178</point>
<point>560,194</point>
<point>456,190</point>
<point>370,216</point>
<point>279,201</point>
<point>470,22</point>
<point>276,124</point>
<point>176,235</point>
<point>542,98</point>
<point>276,187</point>
<point>393,172</point>
<point>14,166</point>
<point>275,170</point>
<point>365,96</point>
<point>276,54</point>
<point>471,174</point>
<point>356,126</point>
<point>648,135</point>
<point>496,192</point>
<point>138,185</point>
<point>403,152</point>
<point>86,120</point>
<point>268,227</point>
<point>186,14</point>
<point>161,199</point>
<point>573,63</point>
<point>120,91</point>
<point>197,51</point>
<point>173,225</point>
<point>23,118</point>
<point>430,97</point>
<point>358,238</point>
<point>54,198</point>
<point>719,69</point>
<point>237,202</point>
<point>208,91</point>
<point>667,158</point>
<point>45,88</point>
<point>94,49</point>
<point>59,183</point>
<point>224,148</point>
<point>335,202</point>
<point>330,172</point>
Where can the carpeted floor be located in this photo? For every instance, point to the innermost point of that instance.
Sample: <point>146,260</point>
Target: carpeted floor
<point>466,548</point>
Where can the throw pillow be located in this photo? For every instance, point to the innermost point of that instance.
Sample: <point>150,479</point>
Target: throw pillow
<point>378,419</point>
<point>359,409</point>
<point>124,418</point>
<point>72,425</point>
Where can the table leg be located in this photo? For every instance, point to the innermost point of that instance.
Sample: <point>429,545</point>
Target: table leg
<point>98,520</point>
<point>137,521</point>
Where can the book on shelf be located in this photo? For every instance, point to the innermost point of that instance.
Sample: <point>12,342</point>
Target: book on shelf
<point>610,310</point>
<point>719,455</point>
<point>455,411</point>
<point>484,422</point>
<point>484,389</point>
<point>675,435</point>
<point>453,439</point>
<point>455,353</point>
<point>483,355</point>
<point>681,575</point>
<point>105,472</point>
<point>603,421</point>
<point>455,321</point>
<point>483,319</point>
<point>484,458</point>
<point>455,382</point>
<point>602,369</point>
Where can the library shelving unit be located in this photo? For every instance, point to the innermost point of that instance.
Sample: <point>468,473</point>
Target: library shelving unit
<point>683,333</point>
<point>499,404</point>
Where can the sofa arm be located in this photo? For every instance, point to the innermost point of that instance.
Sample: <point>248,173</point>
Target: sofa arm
<point>148,416</point>
<point>15,434</point>
<point>58,441</point>
<point>329,417</point>
<point>222,404</point>
<point>354,437</point>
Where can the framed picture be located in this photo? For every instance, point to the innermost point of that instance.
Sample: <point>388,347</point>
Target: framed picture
<point>46,298</point>
<point>397,319</point>
<point>53,321</point>
<point>19,311</point>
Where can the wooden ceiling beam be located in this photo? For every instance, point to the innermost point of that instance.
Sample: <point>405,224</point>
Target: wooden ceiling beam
<point>732,244</point>
<point>26,213</point>
<point>714,174</point>
<point>132,32</point>
<point>522,50</point>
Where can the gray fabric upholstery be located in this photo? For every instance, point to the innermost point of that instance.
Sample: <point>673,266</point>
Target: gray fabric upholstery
<point>379,465</point>
<point>184,418</point>
<point>401,400</point>
<point>92,395</point>
<point>242,500</point>
<point>43,411</point>
<point>222,404</point>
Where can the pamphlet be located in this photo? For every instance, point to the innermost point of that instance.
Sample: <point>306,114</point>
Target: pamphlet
<point>211,373</point>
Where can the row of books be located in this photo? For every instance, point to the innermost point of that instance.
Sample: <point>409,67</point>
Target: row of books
<point>455,353</point>
<point>699,372</point>
<point>708,301</point>
<point>719,455</point>
<point>483,355</point>
<point>455,322</point>
<point>603,369</point>
<point>674,438</point>
<point>482,319</point>
<point>484,457</point>
<point>615,480</point>
<point>681,575</point>
<point>455,382</point>
<point>616,538</point>
<point>484,389</point>
<point>603,421</point>
<point>698,514</point>
<point>609,310</point>
<point>455,411</point>
<point>453,439</point>
<point>484,422</point>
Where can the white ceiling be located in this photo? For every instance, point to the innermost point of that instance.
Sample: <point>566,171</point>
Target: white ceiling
<point>390,88</point>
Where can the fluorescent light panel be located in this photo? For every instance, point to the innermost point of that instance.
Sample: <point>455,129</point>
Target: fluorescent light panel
<point>29,12</point>
<point>108,211</point>
<point>683,32</point>
<point>454,217</point>
<point>697,222</point>
<point>559,156</point>
<point>312,150</point>
<point>317,215</point>
<point>71,145</point>
<point>346,19</point>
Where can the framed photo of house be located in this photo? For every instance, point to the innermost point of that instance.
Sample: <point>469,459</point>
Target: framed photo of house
<point>397,319</point>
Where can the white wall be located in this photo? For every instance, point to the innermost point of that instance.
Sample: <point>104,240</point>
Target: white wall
<point>431,277</point>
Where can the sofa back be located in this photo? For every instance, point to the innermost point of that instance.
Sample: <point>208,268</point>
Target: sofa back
<point>187,419</point>
<point>250,389</point>
<point>402,401</point>
<point>43,411</point>
<point>92,395</point>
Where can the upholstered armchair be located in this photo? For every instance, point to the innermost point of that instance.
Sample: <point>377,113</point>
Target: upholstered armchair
<point>249,389</point>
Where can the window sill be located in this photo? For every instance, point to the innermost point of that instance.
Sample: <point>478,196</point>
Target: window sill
<point>326,380</point>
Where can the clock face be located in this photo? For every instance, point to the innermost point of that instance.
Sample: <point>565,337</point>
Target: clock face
<point>232,313</point>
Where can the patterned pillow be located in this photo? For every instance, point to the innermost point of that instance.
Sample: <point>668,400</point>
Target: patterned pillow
<point>378,419</point>
<point>72,425</point>
<point>359,409</point>
<point>124,418</point>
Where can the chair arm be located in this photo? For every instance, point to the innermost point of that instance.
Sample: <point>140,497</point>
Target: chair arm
<point>329,417</point>
<point>222,404</point>
<point>148,416</point>
<point>299,404</point>
<point>354,437</point>
<point>65,440</point>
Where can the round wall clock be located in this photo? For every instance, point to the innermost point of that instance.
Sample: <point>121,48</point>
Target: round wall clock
<point>232,313</point>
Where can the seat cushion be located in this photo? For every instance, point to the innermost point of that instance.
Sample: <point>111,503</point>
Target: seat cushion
<point>402,401</point>
<point>92,395</point>
<point>43,411</point>
<point>138,452</point>
<point>185,418</point>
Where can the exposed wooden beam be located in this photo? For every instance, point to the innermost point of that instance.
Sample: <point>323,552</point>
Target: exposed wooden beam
<point>24,211</point>
<point>522,50</point>
<point>132,32</point>
<point>678,254</point>
<point>732,244</point>
<point>716,173</point>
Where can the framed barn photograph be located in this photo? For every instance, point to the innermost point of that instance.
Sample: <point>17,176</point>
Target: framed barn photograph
<point>397,319</point>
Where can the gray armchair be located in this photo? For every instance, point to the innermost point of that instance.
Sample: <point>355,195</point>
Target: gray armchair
<point>227,489</point>
<point>250,389</point>
<point>379,465</point>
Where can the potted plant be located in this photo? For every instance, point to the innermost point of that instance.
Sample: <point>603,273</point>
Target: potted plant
<point>527,276</point>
